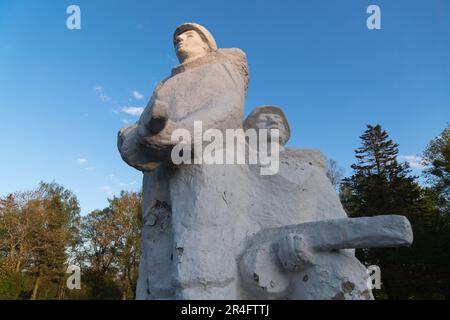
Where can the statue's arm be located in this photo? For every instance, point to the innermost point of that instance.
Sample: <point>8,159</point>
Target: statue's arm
<point>276,253</point>
<point>221,109</point>
<point>131,151</point>
<point>220,106</point>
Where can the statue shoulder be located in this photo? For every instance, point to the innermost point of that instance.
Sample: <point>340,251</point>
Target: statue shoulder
<point>310,156</point>
<point>234,53</point>
<point>161,83</point>
<point>239,59</point>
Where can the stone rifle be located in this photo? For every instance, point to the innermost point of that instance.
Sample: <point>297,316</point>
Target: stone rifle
<point>293,260</point>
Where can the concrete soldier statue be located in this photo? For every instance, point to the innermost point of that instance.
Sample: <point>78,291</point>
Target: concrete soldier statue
<point>218,231</point>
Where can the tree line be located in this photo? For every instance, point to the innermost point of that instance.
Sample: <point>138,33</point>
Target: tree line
<point>42,231</point>
<point>381,185</point>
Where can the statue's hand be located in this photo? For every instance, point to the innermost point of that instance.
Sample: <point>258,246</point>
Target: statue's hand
<point>155,118</point>
<point>295,252</point>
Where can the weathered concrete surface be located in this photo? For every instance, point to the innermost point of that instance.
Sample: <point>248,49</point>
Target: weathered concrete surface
<point>307,261</point>
<point>226,231</point>
<point>200,223</point>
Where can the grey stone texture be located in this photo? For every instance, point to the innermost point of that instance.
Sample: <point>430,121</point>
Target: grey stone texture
<point>226,231</point>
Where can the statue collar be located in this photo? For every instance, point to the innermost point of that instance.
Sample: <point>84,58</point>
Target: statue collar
<point>206,59</point>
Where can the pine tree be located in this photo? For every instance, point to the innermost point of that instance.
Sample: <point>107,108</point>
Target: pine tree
<point>379,182</point>
<point>380,185</point>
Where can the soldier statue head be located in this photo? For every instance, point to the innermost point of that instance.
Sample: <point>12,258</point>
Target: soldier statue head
<point>192,41</point>
<point>269,117</point>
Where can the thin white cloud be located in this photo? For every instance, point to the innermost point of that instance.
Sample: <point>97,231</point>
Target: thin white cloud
<point>104,98</point>
<point>100,90</point>
<point>81,161</point>
<point>127,123</point>
<point>134,111</point>
<point>125,184</point>
<point>414,161</point>
<point>137,95</point>
<point>116,182</point>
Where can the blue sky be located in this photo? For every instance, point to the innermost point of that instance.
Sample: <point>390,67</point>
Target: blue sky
<point>63,93</point>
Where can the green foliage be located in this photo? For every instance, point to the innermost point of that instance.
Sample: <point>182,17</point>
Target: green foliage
<point>437,157</point>
<point>379,186</point>
<point>13,285</point>
<point>111,247</point>
<point>41,233</point>
<point>101,286</point>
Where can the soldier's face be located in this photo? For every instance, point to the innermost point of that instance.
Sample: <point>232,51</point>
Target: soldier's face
<point>189,45</point>
<point>271,121</point>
